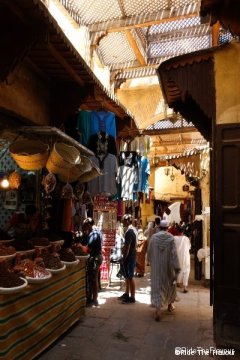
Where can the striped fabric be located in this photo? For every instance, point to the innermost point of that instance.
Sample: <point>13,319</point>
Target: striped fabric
<point>34,318</point>
<point>163,261</point>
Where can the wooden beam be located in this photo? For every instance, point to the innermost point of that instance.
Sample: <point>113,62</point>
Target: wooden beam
<point>164,143</point>
<point>151,22</point>
<point>132,68</point>
<point>135,47</point>
<point>140,21</point>
<point>215,33</point>
<point>65,65</point>
<point>193,31</point>
<point>174,131</point>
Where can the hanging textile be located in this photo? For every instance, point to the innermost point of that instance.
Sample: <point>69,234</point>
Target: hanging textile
<point>83,126</point>
<point>127,174</point>
<point>105,183</point>
<point>143,175</point>
<point>103,121</point>
<point>102,141</point>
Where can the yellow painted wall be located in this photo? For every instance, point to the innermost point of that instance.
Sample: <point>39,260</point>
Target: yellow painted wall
<point>166,189</point>
<point>227,75</point>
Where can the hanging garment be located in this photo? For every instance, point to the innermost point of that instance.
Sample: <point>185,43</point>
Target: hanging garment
<point>127,177</point>
<point>128,158</point>
<point>143,175</point>
<point>105,183</point>
<point>103,121</point>
<point>127,174</point>
<point>83,126</point>
<point>102,142</point>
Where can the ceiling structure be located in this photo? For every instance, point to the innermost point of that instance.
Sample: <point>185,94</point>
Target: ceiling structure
<point>133,37</point>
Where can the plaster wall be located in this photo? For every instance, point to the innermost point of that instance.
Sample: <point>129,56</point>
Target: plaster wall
<point>227,75</point>
<point>165,188</point>
<point>26,95</point>
<point>147,208</point>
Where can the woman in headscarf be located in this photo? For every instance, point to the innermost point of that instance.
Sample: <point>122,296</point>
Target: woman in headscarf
<point>142,244</point>
<point>148,233</point>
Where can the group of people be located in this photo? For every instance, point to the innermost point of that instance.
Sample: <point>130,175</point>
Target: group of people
<point>168,256</point>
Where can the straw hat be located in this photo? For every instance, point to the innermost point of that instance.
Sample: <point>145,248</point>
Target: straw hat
<point>73,174</point>
<point>90,175</point>
<point>62,158</point>
<point>85,165</point>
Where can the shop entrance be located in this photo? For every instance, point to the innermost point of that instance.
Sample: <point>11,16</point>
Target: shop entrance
<point>225,234</point>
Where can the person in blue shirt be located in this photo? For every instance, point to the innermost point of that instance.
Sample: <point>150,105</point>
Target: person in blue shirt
<point>94,249</point>
<point>128,262</point>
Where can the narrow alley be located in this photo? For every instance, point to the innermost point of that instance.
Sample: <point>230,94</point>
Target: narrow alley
<point>116,331</point>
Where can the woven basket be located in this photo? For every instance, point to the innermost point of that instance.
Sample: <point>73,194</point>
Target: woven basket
<point>62,158</point>
<point>90,175</point>
<point>29,154</point>
<point>76,171</point>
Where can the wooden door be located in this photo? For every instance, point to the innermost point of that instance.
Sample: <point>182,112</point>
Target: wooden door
<point>225,234</point>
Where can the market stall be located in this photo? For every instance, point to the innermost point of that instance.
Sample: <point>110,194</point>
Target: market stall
<point>37,315</point>
<point>30,144</point>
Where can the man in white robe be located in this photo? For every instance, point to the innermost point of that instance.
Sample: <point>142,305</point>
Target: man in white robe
<point>164,269</point>
<point>183,246</point>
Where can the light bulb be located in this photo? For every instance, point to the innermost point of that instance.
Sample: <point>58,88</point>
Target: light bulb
<point>5,183</point>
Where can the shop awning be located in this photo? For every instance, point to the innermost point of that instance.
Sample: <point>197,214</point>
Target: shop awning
<point>188,87</point>
<point>52,134</point>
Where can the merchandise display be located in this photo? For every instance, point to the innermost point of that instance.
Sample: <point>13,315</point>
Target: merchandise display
<point>105,218</point>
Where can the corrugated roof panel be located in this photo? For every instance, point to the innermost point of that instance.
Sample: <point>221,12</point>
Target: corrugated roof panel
<point>141,72</point>
<point>179,47</point>
<point>91,12</point>
<point>115,48</point>
<point>168,124</point>
<point>134,7</point>
<point>174,25</point>
<point>182,3</point>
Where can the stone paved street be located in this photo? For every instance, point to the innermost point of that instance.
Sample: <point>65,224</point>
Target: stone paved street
<point>117,331</point>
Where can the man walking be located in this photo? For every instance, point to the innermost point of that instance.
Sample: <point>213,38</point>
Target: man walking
<point>129,260</point>
<point>164,269</point>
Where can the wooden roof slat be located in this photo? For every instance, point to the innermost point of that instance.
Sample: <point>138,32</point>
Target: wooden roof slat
<point>184,33</point>
<point>135,47</point>
<point>144,20</point>
<point>65,64</point>
<point>169,131</point>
